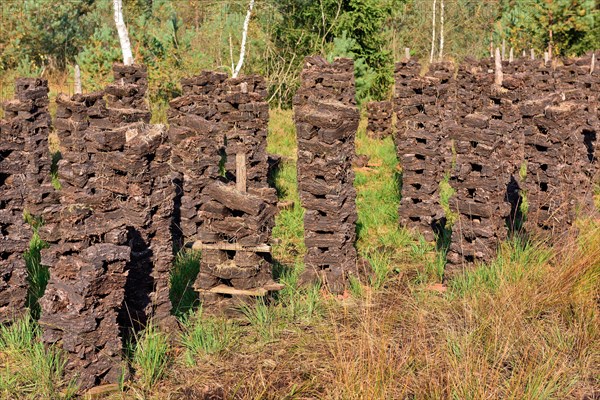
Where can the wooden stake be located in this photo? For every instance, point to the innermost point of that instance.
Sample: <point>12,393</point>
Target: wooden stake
<point>498,77</point>
<point>545,57</point>
<point>77,79</point>
<point>510,56</point>
<point>407,53</point>
<point>523,54</point>
<point>503,49</point>
<point>240,172</point>
<point>593,63</point>
<point>532,54</point>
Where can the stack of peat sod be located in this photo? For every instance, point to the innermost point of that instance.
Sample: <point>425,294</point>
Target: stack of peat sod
<point>420,145</point>
<point>111,246</point>
<point>560,126</point>
<point>24,185</point>
<point>326,122</point>
<point>197,145</point>
<point>219,129</point>
<point>554,166</point>
<point>488,155</point>
<point>379,119</point>
<point>140,167</point>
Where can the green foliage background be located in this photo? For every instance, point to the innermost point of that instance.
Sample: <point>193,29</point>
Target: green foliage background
<point>180,38</point>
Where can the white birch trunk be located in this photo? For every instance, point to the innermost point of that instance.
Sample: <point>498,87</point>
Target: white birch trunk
<point>433,32</point>
<point>123,34</point>
<point>77,80</point>
<point>441,30</point>
<point>244,38</point>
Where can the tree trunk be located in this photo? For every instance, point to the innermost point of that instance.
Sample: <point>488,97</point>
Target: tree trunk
<point>123,34</point>
<point>433,32</point>
<point>244,38</point>
<point>441,30</point>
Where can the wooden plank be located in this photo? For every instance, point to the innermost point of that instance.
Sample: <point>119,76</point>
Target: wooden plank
<point>273,287</point>
<point>240,172</point>
<point>101,391</point>
<point>198,245</point>
<point>224,289</point>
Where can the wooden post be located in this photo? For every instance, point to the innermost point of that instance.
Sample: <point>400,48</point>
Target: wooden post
<point>498,62</point>
<point>77,79</point>
<point>407,53</point>
<point>510,56</point>
<point>545,57</point>
<point>503,49</point>
<point>532,54</point>
<point>593,63</point>
<point>523,54</point>
<point>240,172</point>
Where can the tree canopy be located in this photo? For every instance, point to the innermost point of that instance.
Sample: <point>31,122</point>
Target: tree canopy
<point>179,38</point>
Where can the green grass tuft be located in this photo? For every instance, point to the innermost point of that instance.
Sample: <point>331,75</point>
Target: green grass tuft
<point>206,335</point>
<point>150,356</point>
<point>34,371</point>
<point>184,272</point>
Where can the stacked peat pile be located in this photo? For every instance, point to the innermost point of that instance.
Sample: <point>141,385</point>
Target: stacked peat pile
<point>577,81</point>
<point>326,121</point>
<point>111,248</point>
<point>88,253</point>
<point>219,130</point>
<point>141,169</point>
<point>379,119</point>
<point>24,185</point>
<point>554,180</point>
<point>422,149</point>
<point>487,147</point>
<point>197,145</point>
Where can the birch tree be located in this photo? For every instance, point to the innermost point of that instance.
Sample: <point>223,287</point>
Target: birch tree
<point>123,34</point>
<point>238,67</point>
<point>441,30</point>
<point>433,32</point>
